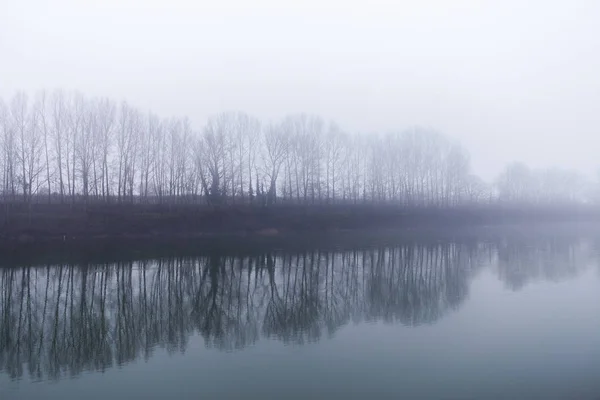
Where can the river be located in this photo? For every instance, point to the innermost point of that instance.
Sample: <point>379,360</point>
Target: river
<point>516,317</point>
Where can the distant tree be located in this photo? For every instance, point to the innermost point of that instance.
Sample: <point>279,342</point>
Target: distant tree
<point>476,190</point>
<point>515,184</point>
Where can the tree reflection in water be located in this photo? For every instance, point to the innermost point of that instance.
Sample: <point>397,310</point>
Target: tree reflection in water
<point>60,320</point>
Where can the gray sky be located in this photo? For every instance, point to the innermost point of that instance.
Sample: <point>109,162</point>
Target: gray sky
<point>512,80</point>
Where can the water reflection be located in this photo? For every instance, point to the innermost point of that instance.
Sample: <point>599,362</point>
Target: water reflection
<point>549,258</point>
<point>58,321</point>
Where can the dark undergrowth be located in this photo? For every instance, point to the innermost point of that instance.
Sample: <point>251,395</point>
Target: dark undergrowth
<point>63,222</point>
<point>40,234</point>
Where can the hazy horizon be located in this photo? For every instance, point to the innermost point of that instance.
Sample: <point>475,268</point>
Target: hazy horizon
<point>510,81</point>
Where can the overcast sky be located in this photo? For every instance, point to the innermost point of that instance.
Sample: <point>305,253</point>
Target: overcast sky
<point>512,80</point>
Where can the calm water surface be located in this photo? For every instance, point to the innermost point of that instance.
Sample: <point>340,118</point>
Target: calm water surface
<point>510,318</point>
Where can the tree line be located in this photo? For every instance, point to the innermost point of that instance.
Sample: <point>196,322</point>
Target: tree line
<point>62,147</point>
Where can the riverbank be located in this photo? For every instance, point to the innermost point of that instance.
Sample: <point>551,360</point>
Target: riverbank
<point>134,230</point>
<point>62,223</point>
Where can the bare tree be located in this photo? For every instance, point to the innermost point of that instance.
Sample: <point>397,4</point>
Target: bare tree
<point>515,184</point>
<point>20,124</point>
<point>28,145</point>
<point>304,168</point>
<point>84,146</point>
<point>189,181</point>
<point>127,136</point>
<point>59,126</point>
<point>276,148</point>
<point>210,156</point>
<point>476,190</point>
<point>145,155</point>
<point>105,122</point>
<point>158,164</point>
<point>247,134</point>
<point>75,132</point>
<point>333,154</point>
<point>41,109</point>
<point>254,142</point>
<point>8,152</point>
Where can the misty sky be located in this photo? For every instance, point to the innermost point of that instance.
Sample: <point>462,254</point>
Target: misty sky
<point>512,80</point>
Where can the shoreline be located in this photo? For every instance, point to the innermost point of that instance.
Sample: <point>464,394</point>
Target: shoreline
<point>57,224</point>
<point>41,247</point>
<point>61,223</point>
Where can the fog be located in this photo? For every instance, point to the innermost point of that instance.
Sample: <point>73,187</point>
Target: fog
<point>511,80</point>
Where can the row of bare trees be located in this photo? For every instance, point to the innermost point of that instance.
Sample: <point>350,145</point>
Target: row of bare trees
<point>64,147</point>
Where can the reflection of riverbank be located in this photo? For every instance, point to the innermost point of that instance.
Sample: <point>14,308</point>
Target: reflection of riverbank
<point>59,321</point>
